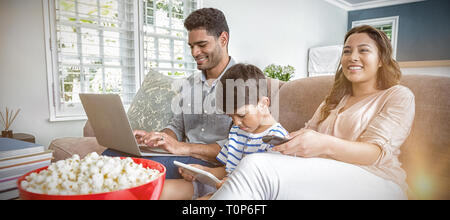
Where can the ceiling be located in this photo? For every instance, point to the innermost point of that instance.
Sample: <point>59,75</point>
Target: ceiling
<point>351,5</point>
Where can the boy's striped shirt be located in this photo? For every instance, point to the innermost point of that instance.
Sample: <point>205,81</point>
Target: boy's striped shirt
<point>241,143</point>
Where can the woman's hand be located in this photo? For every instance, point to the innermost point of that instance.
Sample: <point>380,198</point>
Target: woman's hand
<point>304,143</point>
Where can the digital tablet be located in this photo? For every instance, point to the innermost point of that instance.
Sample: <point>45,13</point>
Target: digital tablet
<point>274,140</point>
<point>199,174</point>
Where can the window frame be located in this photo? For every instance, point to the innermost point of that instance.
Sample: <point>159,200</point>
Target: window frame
<point>394,21</point>
<point>51,54</point>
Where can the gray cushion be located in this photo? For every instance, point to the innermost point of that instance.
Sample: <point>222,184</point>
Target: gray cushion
<point>151,107</point>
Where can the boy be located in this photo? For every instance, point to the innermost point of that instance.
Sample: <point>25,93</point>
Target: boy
<point>243,92</point>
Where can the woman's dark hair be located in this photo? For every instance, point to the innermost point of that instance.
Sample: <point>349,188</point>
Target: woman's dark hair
<point>248,86</point>
<point>210,19</point>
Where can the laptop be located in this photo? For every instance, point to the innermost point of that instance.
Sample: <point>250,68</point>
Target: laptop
<point>111,126</point>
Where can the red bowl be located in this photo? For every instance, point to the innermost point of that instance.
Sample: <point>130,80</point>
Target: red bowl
<point>149,191</point>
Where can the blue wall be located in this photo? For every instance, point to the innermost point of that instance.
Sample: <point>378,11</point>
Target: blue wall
<point>424,28</point>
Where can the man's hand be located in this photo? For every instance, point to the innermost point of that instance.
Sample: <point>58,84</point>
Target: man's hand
<point>161,140</point>
<point>139,135</point>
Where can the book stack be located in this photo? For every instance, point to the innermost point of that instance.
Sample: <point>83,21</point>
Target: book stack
<point>16,159</point>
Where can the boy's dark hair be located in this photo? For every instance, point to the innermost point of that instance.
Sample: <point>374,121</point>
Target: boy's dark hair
<point>211,19</point>
<point>248,86</point>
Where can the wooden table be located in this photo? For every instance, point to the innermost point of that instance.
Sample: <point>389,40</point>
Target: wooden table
<point>24,137</point>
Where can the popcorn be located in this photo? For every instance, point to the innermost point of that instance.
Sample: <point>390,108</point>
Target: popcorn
<point>92,174</point>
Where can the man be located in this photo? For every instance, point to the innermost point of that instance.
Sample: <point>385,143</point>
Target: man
<point>198,136</point>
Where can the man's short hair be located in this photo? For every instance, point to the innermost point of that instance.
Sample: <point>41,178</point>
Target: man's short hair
<point>241,84</point>
<point>210,19</point>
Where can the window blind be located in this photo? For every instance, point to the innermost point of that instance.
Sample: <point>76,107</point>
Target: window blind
<point>165,38</point>
<point>95,50</point>
<point>107,46</point>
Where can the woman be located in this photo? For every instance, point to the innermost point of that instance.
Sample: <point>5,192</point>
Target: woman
<point>350,147</point>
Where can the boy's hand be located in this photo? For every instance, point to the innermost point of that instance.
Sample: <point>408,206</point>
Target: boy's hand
<point>187,175</point>
<point>218,185</point>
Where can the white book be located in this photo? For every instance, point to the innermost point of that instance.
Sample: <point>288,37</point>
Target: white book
<point>23,169</point>
<point>10,194</point>
<point>22,160</point>
<point>9,183</point>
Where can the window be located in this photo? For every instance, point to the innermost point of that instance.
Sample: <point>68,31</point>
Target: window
<point>165,39</point>
<point>389,25</point>
<point>107,46</point>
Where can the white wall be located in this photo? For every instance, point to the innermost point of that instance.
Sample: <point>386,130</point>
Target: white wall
<point>23,76</point>
<point>432,71</point>
<point>280,32</point>
<point>262,33</point>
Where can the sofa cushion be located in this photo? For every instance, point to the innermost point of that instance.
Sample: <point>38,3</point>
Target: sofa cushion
<point>151,107</point>
<point>66,147</point>
<point>426,152</point>
<point>299,99</point>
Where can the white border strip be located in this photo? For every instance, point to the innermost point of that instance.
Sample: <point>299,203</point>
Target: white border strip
<point>366,5</point>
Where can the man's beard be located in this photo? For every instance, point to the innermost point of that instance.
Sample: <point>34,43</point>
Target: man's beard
<point>213,59</point>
